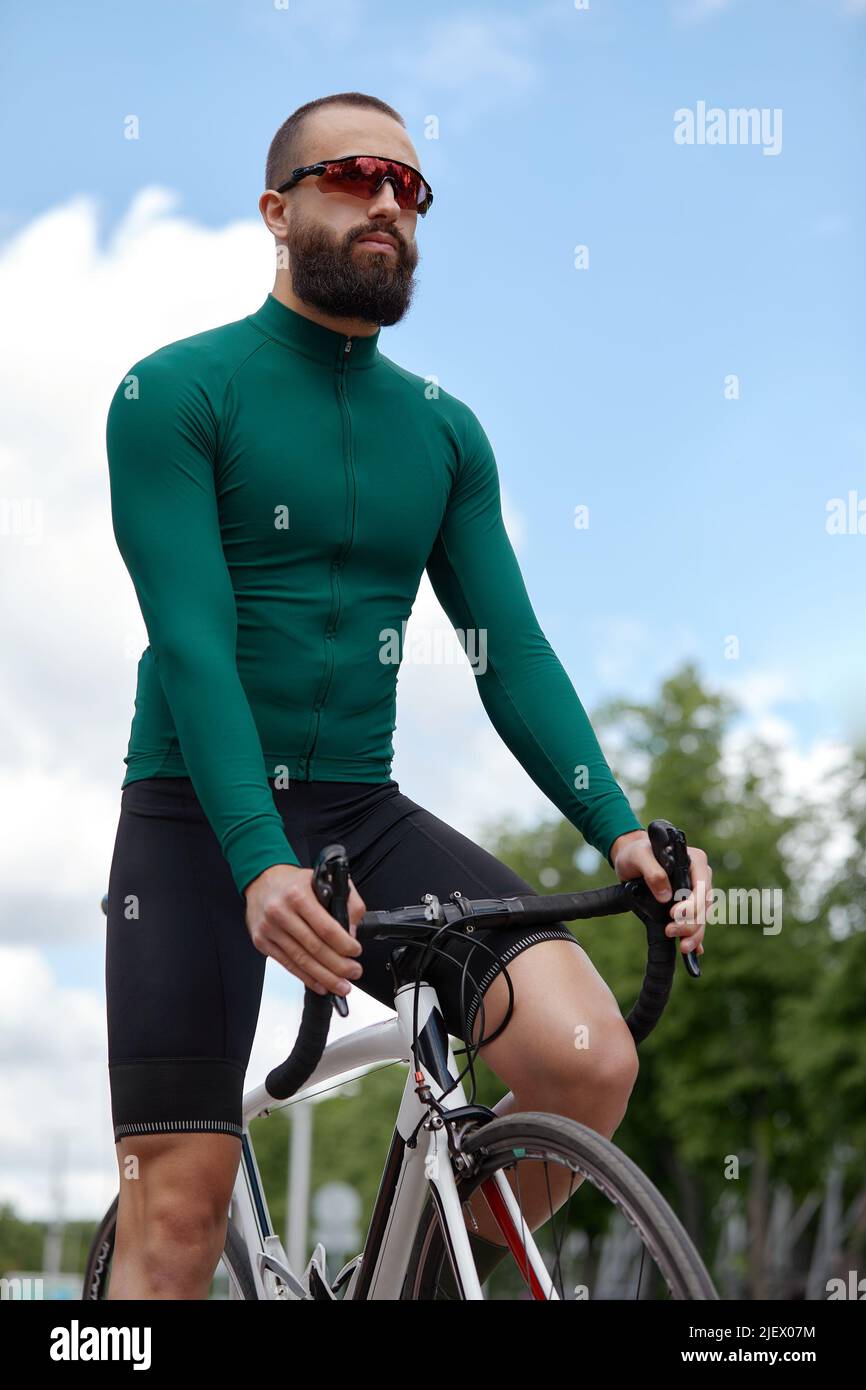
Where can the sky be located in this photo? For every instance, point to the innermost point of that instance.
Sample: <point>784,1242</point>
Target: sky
<point>664,330</point>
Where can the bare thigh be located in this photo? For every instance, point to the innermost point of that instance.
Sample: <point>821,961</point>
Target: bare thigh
<point>175,1190</point>
<point>567,1041</point>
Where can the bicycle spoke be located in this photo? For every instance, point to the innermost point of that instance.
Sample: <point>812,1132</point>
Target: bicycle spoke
<point>558,1244</point>
<point>525,1268</point>
<point>640,1271</point>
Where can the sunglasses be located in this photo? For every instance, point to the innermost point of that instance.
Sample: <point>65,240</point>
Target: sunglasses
<point>362,175</point>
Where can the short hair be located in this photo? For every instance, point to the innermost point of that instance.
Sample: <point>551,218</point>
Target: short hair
<point>285,153</point>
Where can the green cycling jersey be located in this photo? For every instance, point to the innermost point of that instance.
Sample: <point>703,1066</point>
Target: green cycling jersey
<point>277,490</point>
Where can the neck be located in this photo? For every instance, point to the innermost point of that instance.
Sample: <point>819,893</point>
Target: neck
<point>352,328</point>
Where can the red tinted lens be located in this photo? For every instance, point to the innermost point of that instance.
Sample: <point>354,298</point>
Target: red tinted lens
<point>363,176</point>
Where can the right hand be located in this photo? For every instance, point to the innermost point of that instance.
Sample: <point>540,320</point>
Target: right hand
<point>286,920</point>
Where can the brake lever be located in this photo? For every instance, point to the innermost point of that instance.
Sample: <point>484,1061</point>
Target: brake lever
<point>670,849</point>
<point>331,887</point>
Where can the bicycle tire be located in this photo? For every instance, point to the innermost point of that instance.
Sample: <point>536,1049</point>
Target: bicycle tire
<point>237,1263</point>
<point>97,1270</point>
<point>602,1164</point>
<point>94,1285</point>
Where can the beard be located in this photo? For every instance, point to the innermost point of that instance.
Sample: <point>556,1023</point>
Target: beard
<point>327,274</point>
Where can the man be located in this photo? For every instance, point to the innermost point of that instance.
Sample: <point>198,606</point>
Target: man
<point>278,487</point>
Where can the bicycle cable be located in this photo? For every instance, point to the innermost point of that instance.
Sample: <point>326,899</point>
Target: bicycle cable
<point>471,1049</point>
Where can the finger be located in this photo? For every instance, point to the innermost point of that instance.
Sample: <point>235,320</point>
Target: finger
<point>696,908</point>
<point>697,863</point>
<point>700,871</point>
<point>357,908</point>
<point>318,920</point>
<point>308,970</point>
<point>304,952</point>
<point>683,911</point>
<point>299,942</point>
<point>306,979</point>
<point>691,910</point>
<point>309,982</point>
<point>654,876</point>
<point>690,943</point>
<point>685,941</point>
<point>684,929</point>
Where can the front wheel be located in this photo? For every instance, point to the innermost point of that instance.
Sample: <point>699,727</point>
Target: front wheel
<point>608,1233</point>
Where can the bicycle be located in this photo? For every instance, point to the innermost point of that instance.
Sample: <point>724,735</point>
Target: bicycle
<point>449,1154</point>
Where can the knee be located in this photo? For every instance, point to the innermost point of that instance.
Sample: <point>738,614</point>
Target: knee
<point>611,1065</point>
<point>181,1241</point>
<point>601,1064</point>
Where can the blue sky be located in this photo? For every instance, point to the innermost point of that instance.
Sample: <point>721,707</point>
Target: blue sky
<point>602,387</point>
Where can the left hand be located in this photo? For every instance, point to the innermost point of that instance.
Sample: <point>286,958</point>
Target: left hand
<point>632,857</point>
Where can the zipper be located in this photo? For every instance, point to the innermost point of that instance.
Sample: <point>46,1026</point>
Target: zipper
<point>335,569</point>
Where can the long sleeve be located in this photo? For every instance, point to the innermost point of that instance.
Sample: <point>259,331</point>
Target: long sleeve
<point>161,440</point>
<point>526,692</point>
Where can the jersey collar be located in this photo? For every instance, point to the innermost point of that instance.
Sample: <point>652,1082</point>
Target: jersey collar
<point>313,339</point>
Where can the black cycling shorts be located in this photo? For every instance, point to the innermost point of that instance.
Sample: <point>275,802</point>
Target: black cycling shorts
<point>184,980</point>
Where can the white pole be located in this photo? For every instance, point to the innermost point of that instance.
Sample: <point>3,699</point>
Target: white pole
<point>52,1249</point>
<point>298,1204</point>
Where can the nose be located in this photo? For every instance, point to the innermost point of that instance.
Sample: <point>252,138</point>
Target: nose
<point>384,202</point>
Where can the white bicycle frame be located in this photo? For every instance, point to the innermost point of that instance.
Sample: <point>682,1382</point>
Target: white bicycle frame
<point>379,1272</point>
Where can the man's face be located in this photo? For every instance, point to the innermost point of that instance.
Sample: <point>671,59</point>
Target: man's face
<point>332,267</point>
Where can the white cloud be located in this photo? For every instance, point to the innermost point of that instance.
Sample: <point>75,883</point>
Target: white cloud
<point>757,691</point>
<point>53,1091</point>
<point>811,777</point>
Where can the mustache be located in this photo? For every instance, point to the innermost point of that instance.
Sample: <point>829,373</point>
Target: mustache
<point>379,231</point>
